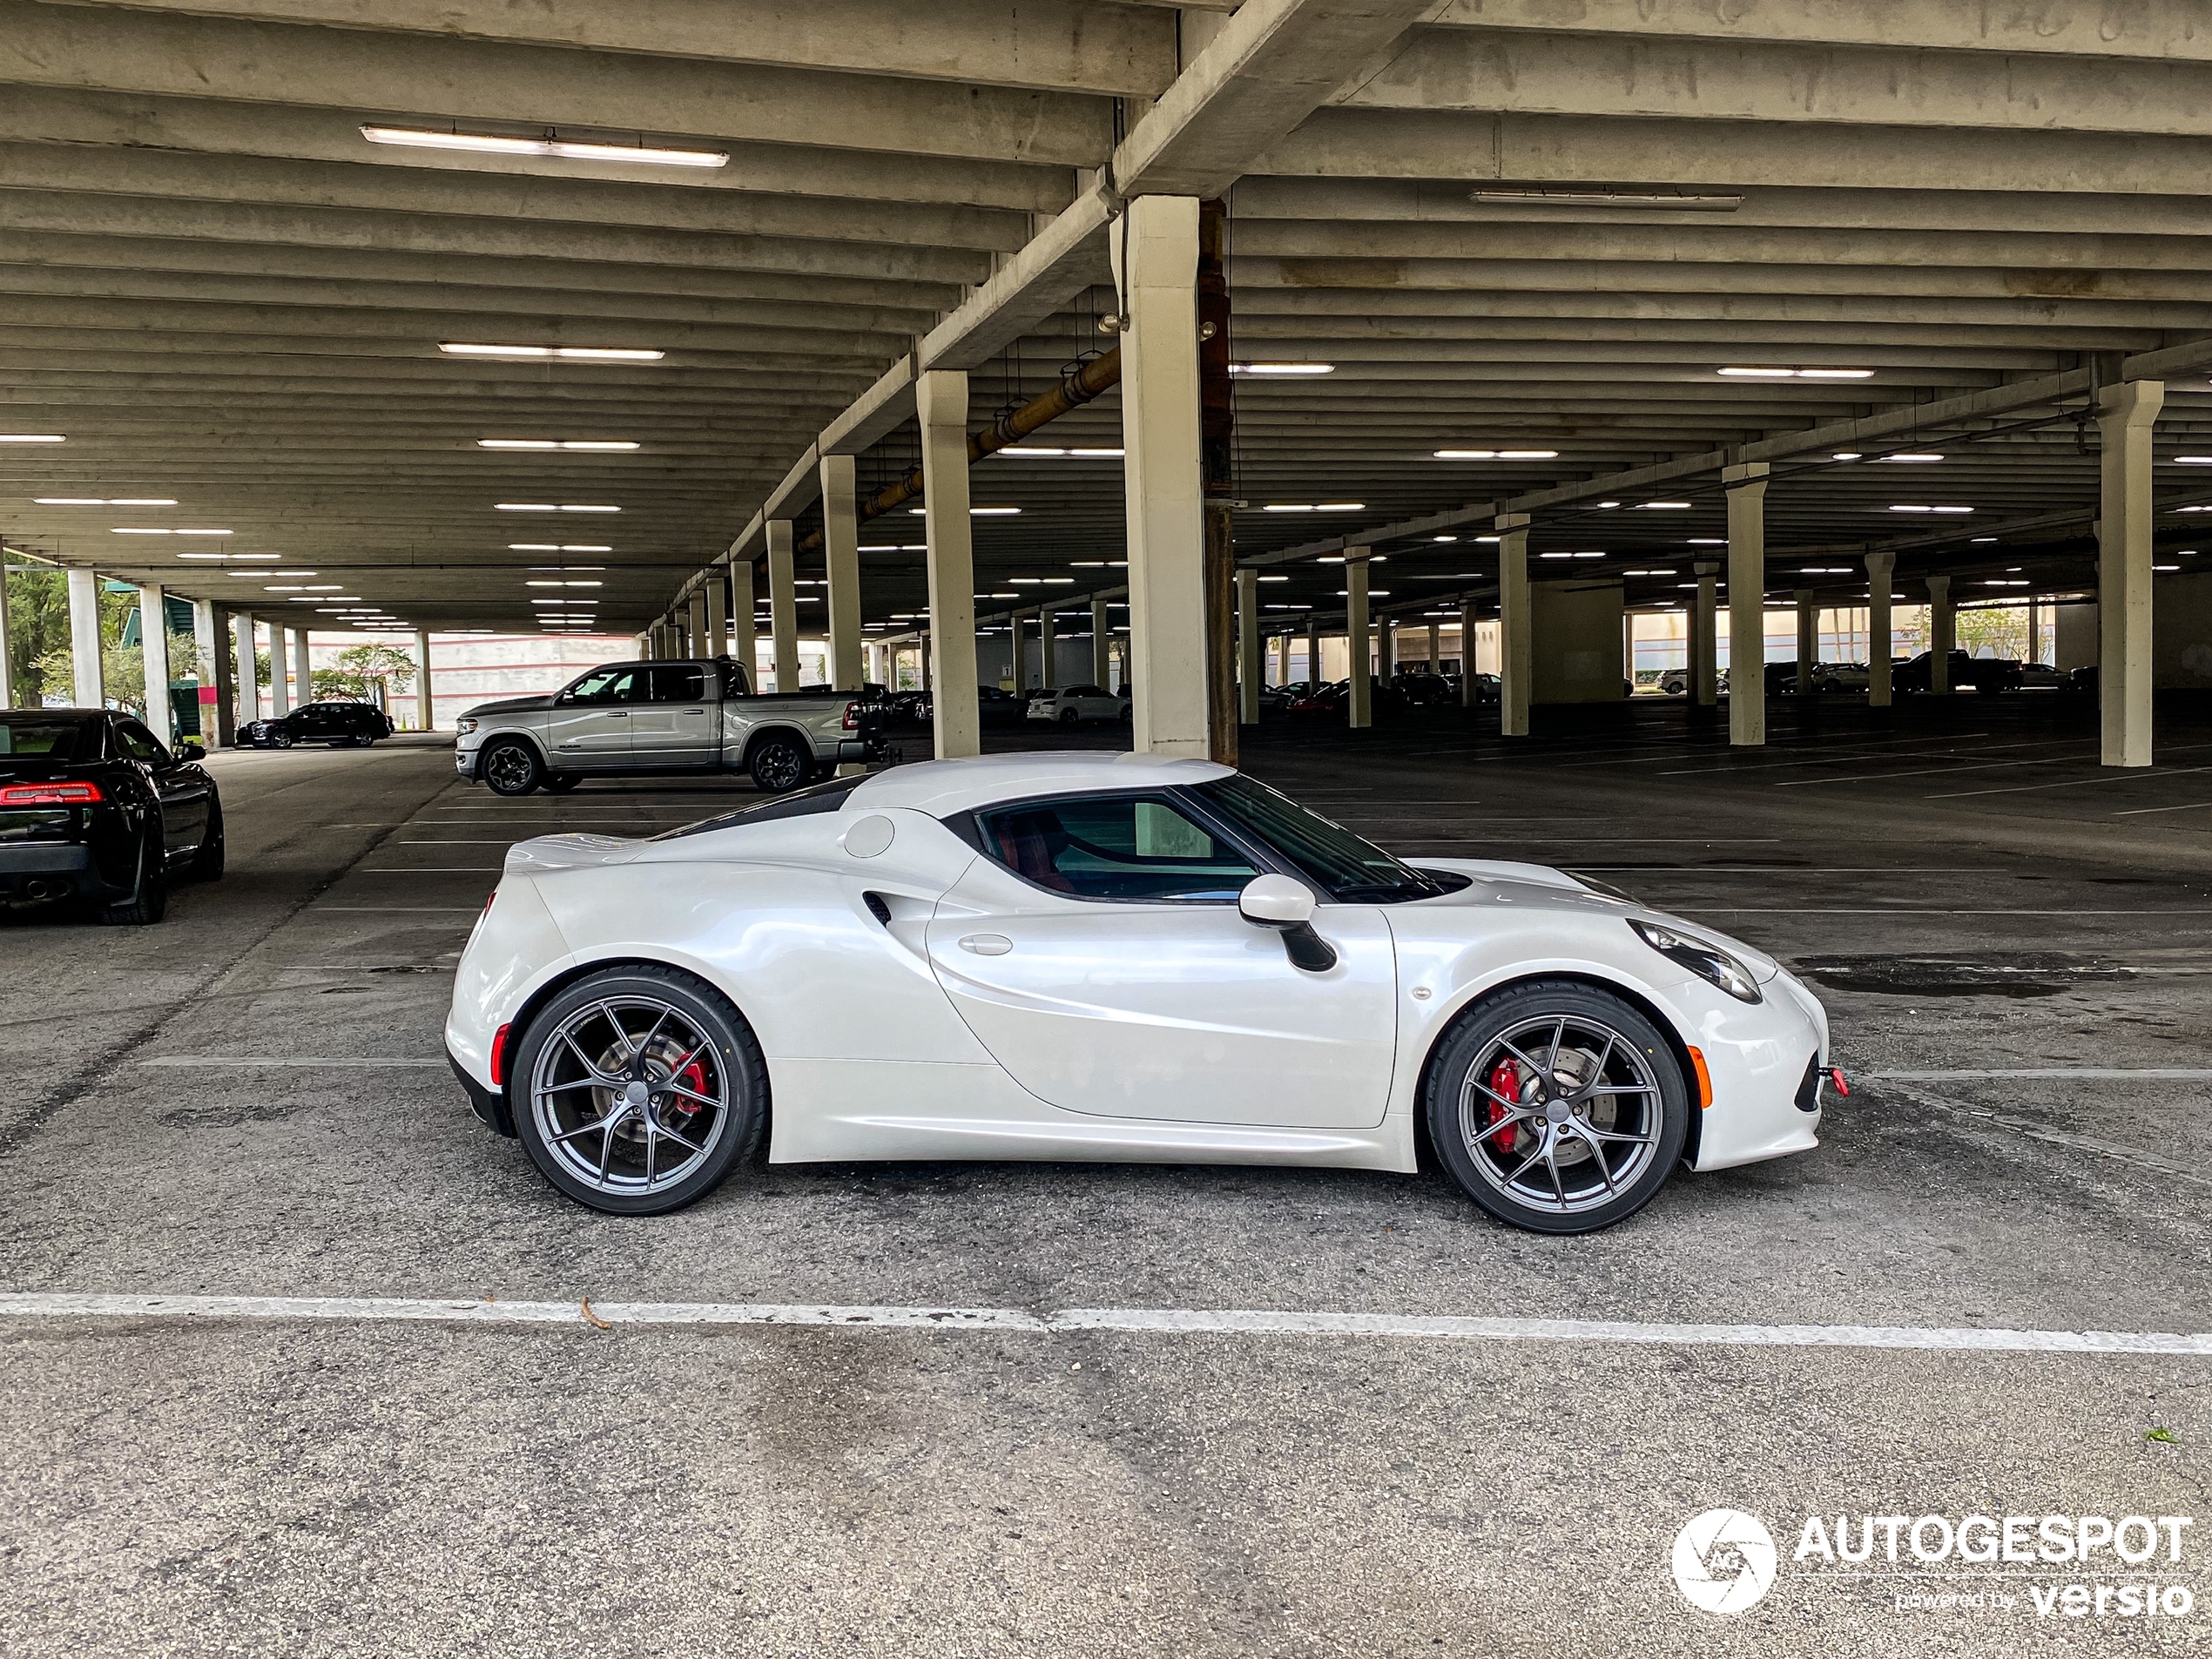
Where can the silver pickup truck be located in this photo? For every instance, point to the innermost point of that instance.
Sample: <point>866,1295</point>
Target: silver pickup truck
<point>664,717</point>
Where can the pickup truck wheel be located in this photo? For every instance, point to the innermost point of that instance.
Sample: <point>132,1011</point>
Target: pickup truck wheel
<point>512,768</point>
<point>778,766</point>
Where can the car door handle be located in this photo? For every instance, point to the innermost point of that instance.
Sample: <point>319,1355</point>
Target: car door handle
<point>695,710</point>
<point>987,944</point>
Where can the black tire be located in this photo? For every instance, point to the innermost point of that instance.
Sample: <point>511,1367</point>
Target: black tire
<point>778,766</point>
<point>511,767</point>
<point>542,1109</point>
<point>208,862</point>
<point>279,740</point>
<point>1068,717</point>
<point>561,782</point>
<point>1495,1140</point>
<point>148,899</point>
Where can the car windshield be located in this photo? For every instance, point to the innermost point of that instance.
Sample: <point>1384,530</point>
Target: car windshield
<point>41,737</point>
<point>827,797</point>
<point>1348,869</point>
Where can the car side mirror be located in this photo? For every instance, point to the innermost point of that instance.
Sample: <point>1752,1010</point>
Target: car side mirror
<point>190,750</point>
<point>1278,903</point>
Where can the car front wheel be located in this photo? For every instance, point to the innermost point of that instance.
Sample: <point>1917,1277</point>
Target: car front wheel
<point>512,768</point>
<point>1557,1107</point>
<point>636,1091</point>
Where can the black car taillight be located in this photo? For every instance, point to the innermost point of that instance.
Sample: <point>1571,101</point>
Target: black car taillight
<point>69,794</point>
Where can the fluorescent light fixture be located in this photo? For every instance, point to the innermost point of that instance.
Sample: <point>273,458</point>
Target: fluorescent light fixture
<point>972,512</point>
<point>1443,538</point>
<point>494,144</point>
<point>121,530</point>
<point>1649,573</point>
<point>1497,455</point>
<point>1554,556</point>
<point>2193,461</point>
<point>1912,458</point>
<point>1665,506</point>
<point>1372,593</point>
<point>1546,195</point>
<point>1847,455</point>
<point>557,547</point>
<point>1028,452</point>
<point>1315,506</point>
<point>568,353</point>
<point>1756,372</point>
<point>547,584</point>
<point>1978,539</point>
<point>1274,578</point>
<point>1283,370</point>
<point>1932,509</point>
<point>99,501</point>
<point>550,506</point>
<point>555,443</point>
<point>32,437</point>
<point>1709,540</point>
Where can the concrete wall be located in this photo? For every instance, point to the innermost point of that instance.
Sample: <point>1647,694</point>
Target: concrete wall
<point>2182,630</point>
<point>1576,639</point>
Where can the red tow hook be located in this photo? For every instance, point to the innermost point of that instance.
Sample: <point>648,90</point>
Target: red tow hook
<point>1836,1077</point>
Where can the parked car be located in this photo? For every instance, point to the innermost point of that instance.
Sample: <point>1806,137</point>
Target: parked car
<point>1839,677</point>
<point>2042,676</point>
<point>664,717</point>
<point>906,708</point>
<point>94,807</point>
<point>1068,705</point>
<point>1052,956</point>
<point>1330,698</point>
<point>2082,681</point>
<point>1675,681</point>
<point>333,722</point>
<point>1424,690</point>
<point>1983,674</point>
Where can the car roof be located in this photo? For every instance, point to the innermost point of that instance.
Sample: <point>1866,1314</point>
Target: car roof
<point>943,788</point>
<point>64,714</point>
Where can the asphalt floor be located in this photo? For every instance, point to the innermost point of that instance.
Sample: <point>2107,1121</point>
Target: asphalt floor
<point>1971,896</point>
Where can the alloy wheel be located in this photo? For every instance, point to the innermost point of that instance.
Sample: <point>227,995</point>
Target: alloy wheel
<point>630,1095</point>
<point>1561,1113</point>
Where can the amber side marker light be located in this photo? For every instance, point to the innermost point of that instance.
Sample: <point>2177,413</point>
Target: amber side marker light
<point>1704,1078</point>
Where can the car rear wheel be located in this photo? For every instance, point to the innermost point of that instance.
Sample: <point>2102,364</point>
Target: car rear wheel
<point>148,899</point>
<point>638,1090</point>
<point>1557,1107</point>
<point>208,863</point>
<point>778,766</point>
<point>512,768</point>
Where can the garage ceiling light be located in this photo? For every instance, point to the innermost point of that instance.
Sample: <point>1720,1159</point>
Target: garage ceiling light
<point>257,575</point>
<point>1317,507</point>
<point>2193,461</point>
<point>1748,372</point>
<point>1372,593</point>
<point>566,149</point>
<point>568,353</point>
<point>1912,458</point>
<point>96,501</point>
<point>1497,455</point>
<point>550,506</point>
<point>1283,370</point>
<point>1649,573</point>
<point>1274,578</point>
<point>1025,452</point>
<point>32,437</point>
<point>1542,196</point>
<point>557,547</point>
<point>972,512</point>
<point>1709,540</point>
<point>1932,509</point>
<point>555,443</point>
<point>121,530</point>
<point>1665,506</point>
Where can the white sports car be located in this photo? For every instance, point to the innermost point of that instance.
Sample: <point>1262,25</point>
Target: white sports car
<point>1088,956</point>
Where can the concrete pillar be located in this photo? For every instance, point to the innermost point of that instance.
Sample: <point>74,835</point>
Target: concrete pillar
<point>214,674</point>
<point>1436,648</point>
<point>1048,643</point>
<point>1746,488</point>
<point>783,607</point>
<point>1101,643</point>
<point>426,707</point>
<point>1466,655</point>
<point>1880,645</point>
<point>153,645</point>
<point>718,612</point>
<point>303,667</point>
<point>1705,637</point>
<point>921,662</point>
<point>1516,628</point>
<point>84,639</point>
<point>1360,705</point>
<point>249,686</point>
<point>2128,416</point>
<point>696,641</point>
<point>279,670</point>
<point>1312,654</point>
<point>1942,631</point>
<point>1250,648</point>
<point>7,658</point>
<point>1155,253</point>
<point>1808,639</point>
<point>841,549</point>
<point>744,635</point>
<point>941,398</point>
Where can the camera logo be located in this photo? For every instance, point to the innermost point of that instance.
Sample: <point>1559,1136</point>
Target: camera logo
<point>1724,1561</point>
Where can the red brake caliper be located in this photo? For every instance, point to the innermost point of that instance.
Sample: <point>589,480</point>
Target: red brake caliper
<point>1504,1085</point>
<point>693,1076</point>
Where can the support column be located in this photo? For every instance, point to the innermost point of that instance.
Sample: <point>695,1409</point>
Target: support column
<point>841,548</point>
<point>280,667</point>
<point>783,607</point>
<point>426,707</point>
<point>1808,639</point>
<point>1880,643</point>
<point>1387,648</point>
<point>2127,418</point>
<point>153,645</point>
<point>1048,639</point>
<point>1155,252</point>
<point>214,675</point>
<point>1436,648</point>
<point>1516,626</point>
<point>84,639</point>
<point>303,667</point>
<point>1942,630</point>
<point>1360,705</point>
<point>922,660</point>
<point>718,612</point>
<point>249,685</point>
<point>1466,655</point>
<point>1101,644</point>
<point>1705,637</point>
<point>7,658</point>
<point>1312,655</point>
<point>1250,648</point>
<point>696,641</point>
<point>941,398</point>
<point>745,633</point>
<point>1746,487</point>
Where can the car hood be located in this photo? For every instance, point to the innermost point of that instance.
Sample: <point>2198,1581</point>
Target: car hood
<point>1539,886</point>
<point>512,706</point>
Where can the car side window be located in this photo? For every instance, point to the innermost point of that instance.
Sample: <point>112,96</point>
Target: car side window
<point>1114,847</point>
<point>604,685</point>
<point>140,744</point>
<point>677,683</point>
<point>734,681</point>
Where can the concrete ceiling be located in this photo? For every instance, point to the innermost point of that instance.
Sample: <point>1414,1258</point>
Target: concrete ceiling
<point>222,292</point>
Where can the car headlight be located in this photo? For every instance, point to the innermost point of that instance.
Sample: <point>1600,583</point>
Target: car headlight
<point>464,726</point>
<point>1714,966</point>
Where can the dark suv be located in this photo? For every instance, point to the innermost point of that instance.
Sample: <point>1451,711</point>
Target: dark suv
<point>333,722</point>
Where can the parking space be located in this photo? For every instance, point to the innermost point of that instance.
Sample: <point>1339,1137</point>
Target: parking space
<point>252,1102</point>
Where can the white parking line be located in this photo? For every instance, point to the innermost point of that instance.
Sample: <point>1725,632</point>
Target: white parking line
<point>2105,1073</point>
<point>2138,811</point>
<point>171,1060</point>
<point>2071,783</point>
<point>64,1305</point>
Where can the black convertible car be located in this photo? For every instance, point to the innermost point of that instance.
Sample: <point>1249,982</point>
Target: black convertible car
<point>93,808</point>
<point>333,722</point>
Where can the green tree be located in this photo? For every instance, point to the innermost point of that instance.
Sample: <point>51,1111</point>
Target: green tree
<point>359,666</point>
<point>38,605</point>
